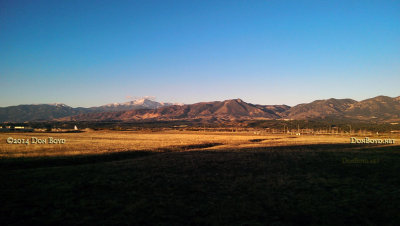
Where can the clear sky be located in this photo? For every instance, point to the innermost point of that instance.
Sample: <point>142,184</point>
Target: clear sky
<point>90,53</point>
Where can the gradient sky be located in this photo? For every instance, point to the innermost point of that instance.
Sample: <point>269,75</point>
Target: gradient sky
<point>90,53</point>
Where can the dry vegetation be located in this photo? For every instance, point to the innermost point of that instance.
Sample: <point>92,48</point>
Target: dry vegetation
<point>197,178</point>
<point>98,142</point>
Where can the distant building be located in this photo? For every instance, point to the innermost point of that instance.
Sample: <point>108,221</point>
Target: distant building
<point>16,128</point>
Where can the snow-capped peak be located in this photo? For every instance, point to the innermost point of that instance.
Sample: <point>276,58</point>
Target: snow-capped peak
<point>59,105</point>
<point>144,102</point>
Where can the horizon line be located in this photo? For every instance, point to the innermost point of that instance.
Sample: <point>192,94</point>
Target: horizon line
<point>176,103</point>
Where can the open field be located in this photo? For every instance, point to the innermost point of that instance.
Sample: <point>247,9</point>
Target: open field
<point>196,178</point>
<point>103,142</point>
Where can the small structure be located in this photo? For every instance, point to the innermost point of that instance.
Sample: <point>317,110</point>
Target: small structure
<point>12,128</point>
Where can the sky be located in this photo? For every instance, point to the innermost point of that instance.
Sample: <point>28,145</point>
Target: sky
<point>90,53</point>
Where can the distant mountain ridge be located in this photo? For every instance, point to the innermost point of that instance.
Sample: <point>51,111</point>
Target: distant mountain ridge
<point>35,112</point>
<point>216,110</point>
<point>377,109</point>
<point>319,109</point>
<point>142,103</point>
<point>40,112</point>
<point>380,108</point>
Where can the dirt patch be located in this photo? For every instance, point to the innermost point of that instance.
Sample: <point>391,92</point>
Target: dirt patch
<point>191,146</point>
<point>256,140</point>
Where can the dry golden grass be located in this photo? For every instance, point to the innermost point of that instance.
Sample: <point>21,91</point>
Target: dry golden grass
<point>97,142</point>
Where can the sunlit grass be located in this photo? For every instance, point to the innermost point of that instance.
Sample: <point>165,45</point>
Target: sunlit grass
<point>98,142</point>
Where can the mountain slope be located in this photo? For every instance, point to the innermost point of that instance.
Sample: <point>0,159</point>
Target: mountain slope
<point>380,107</point>
<point>40,112</point>
<point>320,109</point>
<point>22,113</point>
<point>217,110</point>
<point>142,103</point>
<point>377,109</point>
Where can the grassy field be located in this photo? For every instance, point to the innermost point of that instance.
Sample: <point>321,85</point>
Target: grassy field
<point>103,142</point>
<point>197,178</point>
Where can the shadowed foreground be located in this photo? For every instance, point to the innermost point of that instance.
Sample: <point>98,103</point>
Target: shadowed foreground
<point>290,185</point>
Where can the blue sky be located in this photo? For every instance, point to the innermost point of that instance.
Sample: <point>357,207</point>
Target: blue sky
<point>90,53</point>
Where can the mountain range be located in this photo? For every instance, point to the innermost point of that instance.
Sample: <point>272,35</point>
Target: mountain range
<point>213,111</point>
<point>377,109</point>
<point>142,103</point>
<point>42,112</point>
<point>380,109</point>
